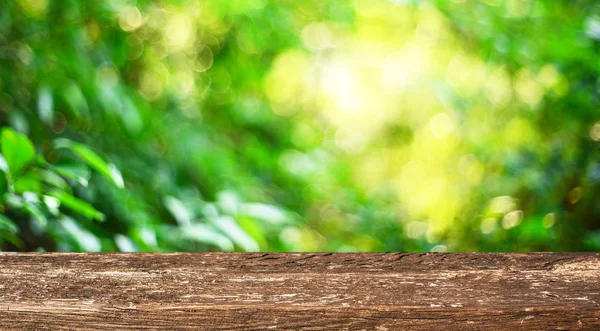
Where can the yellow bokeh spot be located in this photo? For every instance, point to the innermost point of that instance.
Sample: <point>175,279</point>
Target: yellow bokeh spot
<point>317,36</point>
<point>519,131</point>
<point>549,220</point>
<point>285,82</point>
<point>518,8</point>
<point>92,31</point>
<point>512,219</point>
<point>548,76</point>
<point>203,59</point>
<point>107,76</point>
<point>178,31</point>
<point>152,81</point>
<point>574,195</point>
<point>498,88</point>
<point>183,83</point>
<point>471,169</point>
<point>340,84</point>
<point>130,18</point>
<point>416,229</point>
<point>465,74</point>
<point>488,225</point>
<point>403,69</point>
<point>303,239</point>
<point>595,132</point>
<point>501,205</point>
<point>350,140</point>
<point>441,126</point>
<point>34,8</point>
<point>528,89</point>
<point>371,8</point>
<point>431,27</point>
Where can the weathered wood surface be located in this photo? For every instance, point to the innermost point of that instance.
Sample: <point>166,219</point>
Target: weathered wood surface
<point>393,291</point>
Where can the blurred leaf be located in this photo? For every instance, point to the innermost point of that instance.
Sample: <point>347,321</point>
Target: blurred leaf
<point>77,205</point>
<point>109,171</point>
<point>19,122</point>
<point>45,105</point>
<point>17,150</point>
<point>261,211</point>
<point>3,184</point>
<point>228,202</point>
<point>205,234</point>
<point>146,235</point>
<point>7,224</point>
<point>73,170</point>
<point>3,164</point>
<point>209,210</point>
<point>37,215</point>
<point>75,99</point>
<point>131,117</point>
<point>14,200</point>
<point>53,179</point>
<point>230,228</point>
<point>12,238</point>
<point>28,182</point>
<point>180,212</point>
<point>125,244</point>
<point>52,204</point>
<point>86,240</point>
<point>254,229</point>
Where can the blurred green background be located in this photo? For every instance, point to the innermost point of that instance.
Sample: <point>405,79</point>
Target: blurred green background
<point>249,125</point>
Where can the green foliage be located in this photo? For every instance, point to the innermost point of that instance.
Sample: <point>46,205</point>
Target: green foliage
<point>17,150</point>
<point>247,125</point>
<point>32,188</point>
<point>95,162</point>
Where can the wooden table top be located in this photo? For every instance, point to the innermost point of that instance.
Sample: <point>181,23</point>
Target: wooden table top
<point>310,291</point>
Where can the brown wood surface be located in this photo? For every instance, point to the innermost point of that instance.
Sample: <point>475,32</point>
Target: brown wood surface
<point>393,291</point>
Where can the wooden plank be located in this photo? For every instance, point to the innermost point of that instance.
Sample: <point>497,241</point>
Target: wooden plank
<point>391,291</point>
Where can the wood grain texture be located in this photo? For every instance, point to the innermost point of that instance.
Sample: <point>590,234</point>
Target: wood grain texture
<point>256,291</point>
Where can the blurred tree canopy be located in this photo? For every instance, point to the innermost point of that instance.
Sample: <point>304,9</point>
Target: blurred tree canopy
<point>366,125</point>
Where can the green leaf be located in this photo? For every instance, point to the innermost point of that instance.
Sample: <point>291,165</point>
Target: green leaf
<point>125,244</point>
<point>269,213</point>
<point>75,99</point>
<point>73,170</point>
<point>37,214</point>
<point>207,235</point>
<point>180,212</point>
<point>17,149</point>
<point>14,200</point>
<point>45,105</point>
<point>232,230</point>
<point>53,179</point>
<point>52,204</point>
<point>12,238</point>
<point>28,182</point>
<point>228,202</point>
<point>3,164</point>
<point>3,184</point>
<point>86,240</point>
<point>77,205</point>
<point>92,159</point>
<point>7,224</point>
